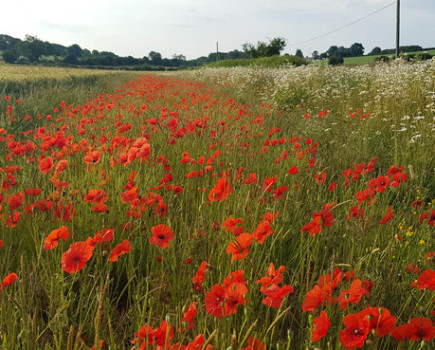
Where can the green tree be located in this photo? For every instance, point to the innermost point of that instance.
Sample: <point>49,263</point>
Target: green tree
<point>276,46</point>
<point>32,48</point>
<point>332,51</point>
<point>357,49</point>
<point>10,56</point>
<point>70,59</point>
<point>178,57</point>
<point>75,50</point>
<point>299,53</point>
<point>376,51</point>
<point>155,58</point>
<point>315,54</point>
<point>263,49</point>
<point>7,42</point>
<point>249,50</point>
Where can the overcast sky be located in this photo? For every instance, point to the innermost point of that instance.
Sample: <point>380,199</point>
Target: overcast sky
<point>192,27</point>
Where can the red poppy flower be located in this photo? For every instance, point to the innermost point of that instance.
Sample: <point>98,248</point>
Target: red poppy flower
<point>273,276</point>
<point>426,280</point>
<point>231,225</point>
<point>239,247</point>
<point>381,320</point>
<point>10,278</point>
<point>51,240</point>
<point>12,220</point>
<point>215,300</point>
<point>120,249</point>
<point>162,235</point>
<point>76,257</point>
<point>235,296</point>
<point>268,183</point>
<point>32,191</point>
<point>293,170</point>
<point>429,216</point>
<point>221,190</point>
<point>15,200</point>
<point>9,182</point>
<point>332,186</point>
<point>326,215</point>
<point>100,208</point>
<point>103,235</point>
<point>412,269</point>
<point>417,329</point>
<point>96,196</point>
<point>189,314</point>
<point>322,291</point>
<point>355,212</point>
<point>352,295</point>
<point>251,179</point>
<point>355,333</point>
<point>45,165</point>
<point>186,158</point>
<point>321,325</point>
<point>61,166</point>
<point>275,294</point>
<point>92,157</point>
<point>262,231</point>
<point>199,277</point>
<point>255,344</point>
<point>379,184</point>
<point>387,216</point>
<point>313,227</point>
<point>269,216</point>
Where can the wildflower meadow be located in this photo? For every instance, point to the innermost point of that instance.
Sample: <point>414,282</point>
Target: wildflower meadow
<point>221,208</point>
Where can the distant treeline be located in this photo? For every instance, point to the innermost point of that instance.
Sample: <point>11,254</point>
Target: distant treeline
<point>33,50</point>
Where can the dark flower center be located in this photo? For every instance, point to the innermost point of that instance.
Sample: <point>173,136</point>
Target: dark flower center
<point>357,331</point>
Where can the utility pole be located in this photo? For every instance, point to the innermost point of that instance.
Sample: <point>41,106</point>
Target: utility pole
<point>217,51</point>
<point>397,28</point>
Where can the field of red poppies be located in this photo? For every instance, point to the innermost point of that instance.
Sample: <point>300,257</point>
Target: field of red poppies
<point>177,214</point>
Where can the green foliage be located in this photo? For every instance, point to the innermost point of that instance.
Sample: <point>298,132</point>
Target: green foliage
<point>299,53</point>
<point>357,49</point>
<point>339,51</point>
<point>382,58</point>
<point>409,48</point>
<point>7,42</point>
<point>271,62</point>
<point>335,60</point>
<point>376,51</point>
<point>273,48</point>
<point>10,56</point>
<point>75,50</point>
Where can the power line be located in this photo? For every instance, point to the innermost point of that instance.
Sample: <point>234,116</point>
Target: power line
<point>342,27</point>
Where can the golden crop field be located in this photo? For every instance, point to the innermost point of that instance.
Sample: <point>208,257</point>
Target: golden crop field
<point>21,72</point>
